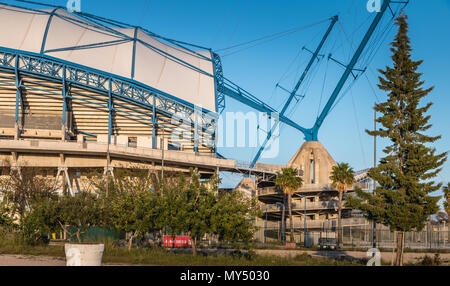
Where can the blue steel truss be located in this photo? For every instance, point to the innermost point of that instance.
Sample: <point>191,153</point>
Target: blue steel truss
<point>219,83</point>
<point>151,99</point>
<point>311,134</point>
<point>157,100</point>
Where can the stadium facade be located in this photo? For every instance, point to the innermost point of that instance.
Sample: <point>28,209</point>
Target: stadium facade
<point>79,92</point>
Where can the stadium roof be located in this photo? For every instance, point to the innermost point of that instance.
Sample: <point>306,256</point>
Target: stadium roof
<point>119,49</point>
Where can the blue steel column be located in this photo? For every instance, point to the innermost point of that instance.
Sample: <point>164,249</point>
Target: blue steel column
<point>18,99</point>
<point>313,132</point>
<point>297,86</point>
<point>155,125</point>
<point>64,94</point>
<point>110,109</point>
<point>133,60</point>
<point>195,129</point>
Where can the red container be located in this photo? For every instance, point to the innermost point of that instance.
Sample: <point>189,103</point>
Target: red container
<point>180,241</point>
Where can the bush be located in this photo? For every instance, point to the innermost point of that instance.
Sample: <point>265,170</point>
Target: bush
<point>38,223</point>
<point>428,261</point>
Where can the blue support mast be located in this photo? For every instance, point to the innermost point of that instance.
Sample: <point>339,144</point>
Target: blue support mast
<point>294,91</point>
<point>312,134</point>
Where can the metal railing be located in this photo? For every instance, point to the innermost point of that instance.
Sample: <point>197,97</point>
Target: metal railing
<point>320,205</point>
<point>311,188</point>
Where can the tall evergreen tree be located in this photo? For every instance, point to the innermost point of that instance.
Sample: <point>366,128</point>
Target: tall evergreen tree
<point>405,175</point>
<point>447,199</point>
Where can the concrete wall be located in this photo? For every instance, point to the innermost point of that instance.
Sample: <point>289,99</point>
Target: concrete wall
<point>315,163</point>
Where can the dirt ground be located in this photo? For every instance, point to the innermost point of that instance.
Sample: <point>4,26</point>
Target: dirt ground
<point>23,260</point>
<point>28,260</point>
<point>385,256</point>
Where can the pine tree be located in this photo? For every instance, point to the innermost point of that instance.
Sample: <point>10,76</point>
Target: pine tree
<point>405,175</point>
<point>447,199</point>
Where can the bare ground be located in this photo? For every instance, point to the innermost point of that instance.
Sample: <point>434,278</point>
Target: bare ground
<point>385,256</point>
<point>26,260</point>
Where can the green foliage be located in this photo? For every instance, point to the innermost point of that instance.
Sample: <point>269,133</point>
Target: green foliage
<point>136,213</point>
<point>195,207</point>
<point>6,221</point>
<point>196,204</point>
<point>135,202</point>
<point>446,190</point>
<point>428,261</point>
<point>288,181</point>
<point>24,189</point>
<point>405,174</point>
<point>342,177</point>
<point>79,212</point>
<point>231,218</point>
<point>172,206</point>
<point>39,222</point>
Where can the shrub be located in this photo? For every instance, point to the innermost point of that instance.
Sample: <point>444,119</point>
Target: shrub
<point>428,261</point>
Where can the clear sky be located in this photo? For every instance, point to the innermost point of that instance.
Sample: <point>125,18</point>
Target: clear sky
<point>223,23</point>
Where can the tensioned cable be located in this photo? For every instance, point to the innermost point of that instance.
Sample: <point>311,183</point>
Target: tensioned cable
<point>371,87</point>
<point>283,77</point>
<point>274,36</point>
<point>290,66</point>
<point>323,88</point>
<point>358,129</point>
<point>383,35</point>
<point>145,11</point>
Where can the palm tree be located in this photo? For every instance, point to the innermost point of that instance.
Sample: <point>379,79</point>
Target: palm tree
<point>342,178</point>
<point>446,190</point>
<point>289,182</point>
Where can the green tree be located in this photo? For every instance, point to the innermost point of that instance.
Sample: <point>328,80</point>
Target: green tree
<point>196,208</point>
<point>405,175</point>
<point>130,204</point>
<point>232,217</point>
<point>289,182</point>
<point>79,213</point>
<point>25,188</point>
<point>447,199</point>
<point>136,213</point>
<point>342,179</point>
<point>40,222</point>
<point>7,223</point>
<point>172,206</point>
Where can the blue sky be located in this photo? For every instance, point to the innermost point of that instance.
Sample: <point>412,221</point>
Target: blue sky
<point>222,23</point>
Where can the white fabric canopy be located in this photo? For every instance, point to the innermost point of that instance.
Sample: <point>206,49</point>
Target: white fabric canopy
<point>171,69</point>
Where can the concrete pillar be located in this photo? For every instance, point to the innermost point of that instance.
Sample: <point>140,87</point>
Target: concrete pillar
<point>317,178</point>
<point>16,131</point>
<point>63,132</point>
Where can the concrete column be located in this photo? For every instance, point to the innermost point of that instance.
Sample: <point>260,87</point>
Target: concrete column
<point>316,167</point>
<point>16,131</point>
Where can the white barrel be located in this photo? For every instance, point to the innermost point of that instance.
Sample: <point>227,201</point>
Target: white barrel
<point>84,254</point>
